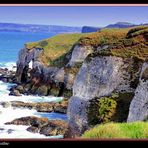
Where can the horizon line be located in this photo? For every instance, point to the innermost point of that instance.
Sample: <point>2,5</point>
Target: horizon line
<point>69,25</point>
<point>39,24</point>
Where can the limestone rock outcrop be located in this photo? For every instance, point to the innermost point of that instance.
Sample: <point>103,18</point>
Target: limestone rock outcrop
<point>139,105</point>
<point>99,77</point>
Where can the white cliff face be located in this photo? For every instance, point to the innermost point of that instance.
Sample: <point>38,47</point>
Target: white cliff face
<point>24,58</point>
<point>79,54</point>
<point>139,105</point>
<point>99,77</point>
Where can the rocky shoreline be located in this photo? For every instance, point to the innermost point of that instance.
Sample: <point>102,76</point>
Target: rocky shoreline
<point>59,107</point>
<point>36,125</point>
<point>41,125</point>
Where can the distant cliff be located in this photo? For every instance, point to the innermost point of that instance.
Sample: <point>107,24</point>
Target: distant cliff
<point>120,25</point>
<point>86,29</point>
<point>38,28</point>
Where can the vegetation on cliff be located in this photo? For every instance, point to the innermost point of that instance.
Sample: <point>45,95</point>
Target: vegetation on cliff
<point>129,42</point>
<point>135,130</point>
<point>110,108</point>
<point>125,42</point>
<point>55,48</point>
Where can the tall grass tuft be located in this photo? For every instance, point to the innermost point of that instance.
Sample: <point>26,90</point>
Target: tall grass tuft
<point>134,130</point>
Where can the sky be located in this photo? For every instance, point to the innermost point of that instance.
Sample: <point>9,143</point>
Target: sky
<point>98,16</point>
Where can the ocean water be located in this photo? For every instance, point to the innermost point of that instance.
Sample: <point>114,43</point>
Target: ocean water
<point>10,44</point>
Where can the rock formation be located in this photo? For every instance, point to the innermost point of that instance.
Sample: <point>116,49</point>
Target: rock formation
<point>99,77</point>
<point>106,66</point>
<point>139,105</point>
<point>42,125</point>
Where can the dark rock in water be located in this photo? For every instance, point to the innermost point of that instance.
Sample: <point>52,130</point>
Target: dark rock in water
<point>44,107</point>
<point>7,76</point>
<point>1,129</point>
<point>5,104</point>
<point>10,131</point>
<point>15,92</point>
<point>42,90</point>
<point>30,120</point>
<point>20,88</point>
<point>40,106</point>
<point>53,128</point>
<point>4,79</point>
<point>3,71</point>
<point>41,125</point>
<point>59,107</point>
<point>33,129</point>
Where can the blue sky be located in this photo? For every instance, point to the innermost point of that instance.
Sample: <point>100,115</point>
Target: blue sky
<point>74,16</point>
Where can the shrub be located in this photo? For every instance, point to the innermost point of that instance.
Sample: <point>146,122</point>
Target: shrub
<point>136,31</point>
<point>101,110</point>
<point>111,108</point>
<point>106,108</point>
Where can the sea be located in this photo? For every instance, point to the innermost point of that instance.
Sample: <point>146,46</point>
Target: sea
<point>10,44</point>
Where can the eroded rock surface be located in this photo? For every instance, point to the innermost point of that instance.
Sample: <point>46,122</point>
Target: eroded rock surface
<point>139,105</point>
<point>42,125</point>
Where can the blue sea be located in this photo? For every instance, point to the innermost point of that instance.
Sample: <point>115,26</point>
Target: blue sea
<point>10,44</point>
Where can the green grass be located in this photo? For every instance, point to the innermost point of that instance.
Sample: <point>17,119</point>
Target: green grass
<point>125,43</point>
<point>133,130</point>
<point>55,47</point>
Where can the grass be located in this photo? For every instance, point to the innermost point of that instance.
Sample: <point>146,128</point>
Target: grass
<point>125,42</point>
<point>55,47</point>
<point>133,130</point>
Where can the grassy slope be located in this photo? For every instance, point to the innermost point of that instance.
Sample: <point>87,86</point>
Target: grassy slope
<point>128,42</point>
<point>135,130</point>
<point>56,46</point>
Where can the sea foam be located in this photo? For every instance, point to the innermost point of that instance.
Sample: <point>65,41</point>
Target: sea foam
<point>9,65</point>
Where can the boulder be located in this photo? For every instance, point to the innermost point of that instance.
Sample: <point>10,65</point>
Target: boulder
<point>53,128</point>
<point>42,125</point>
<point>40,106</point>
<point>30,120</point>
<point>5,104</point>
<point>33,129</point>
<point>42,90</point>
<point>59,107</point>
<point>15,92</point>
<point>20,88</point>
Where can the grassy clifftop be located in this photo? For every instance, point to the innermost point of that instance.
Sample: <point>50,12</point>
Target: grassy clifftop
<point>129,42</point>
<point>55,47</point>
